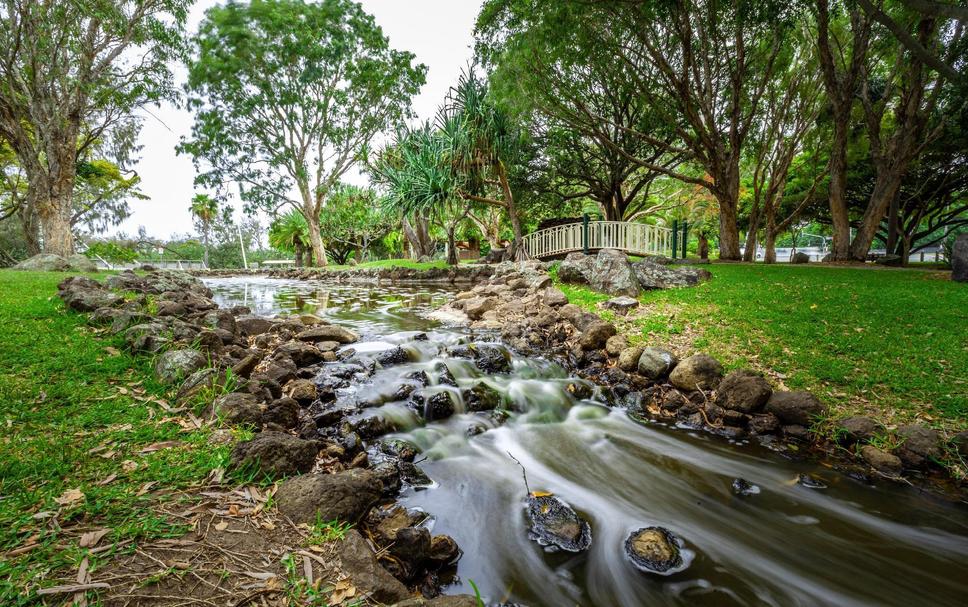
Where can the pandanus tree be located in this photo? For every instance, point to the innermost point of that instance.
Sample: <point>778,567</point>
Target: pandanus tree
<point>204,209</point>
<point>290,233</point>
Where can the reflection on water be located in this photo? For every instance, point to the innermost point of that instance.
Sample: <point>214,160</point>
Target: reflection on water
<point>849,544</point>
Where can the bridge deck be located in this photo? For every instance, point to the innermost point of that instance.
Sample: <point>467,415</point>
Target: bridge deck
<point>633,238</point>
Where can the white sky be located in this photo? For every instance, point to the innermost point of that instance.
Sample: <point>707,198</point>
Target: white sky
<point>438,32</point>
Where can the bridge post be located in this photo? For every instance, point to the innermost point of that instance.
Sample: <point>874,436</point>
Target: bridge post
<point>675,237</point>
<point>584,233</point>
<point>685,237</point>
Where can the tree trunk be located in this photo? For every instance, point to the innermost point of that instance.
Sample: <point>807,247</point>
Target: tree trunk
<point>517,251</point>
<point>770,245</point>
<point>728,225</point>
<point>205,254</point>
<point>840,248</point>
<point>893,227</point>
<point>28,223</point>
<point>749,250</point>
<point>55,220</point>
<point>316,240</point>
<point>299,255</point>
<point>885,190</point>
<point>418,235</point>
<point>703,246</point>
<point>452,257</point>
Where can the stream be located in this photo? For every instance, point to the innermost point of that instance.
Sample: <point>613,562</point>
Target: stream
<point>847,544</point>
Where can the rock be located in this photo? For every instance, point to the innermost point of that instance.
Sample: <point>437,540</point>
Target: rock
<point>615,344</point>
<point>81,263</point>
<point>328,333</point>
<point>443,549</point>
<point>438,406</point>
<point>743,391</point>
<point>795,408</point>
<point>360,564</point>
<point>44,262</point>
<point>275,454</point>
<point>959,258</point>
<point>628,359</point>
<point>744,488</point>
<point>411,545</point>
<point>881,461</point>
<point>490,358</point>
<point>622,304</point>
<point>393,356</point>
<point>345,496</point>
<point>810,482</point>
<point>575,268</point>
<point>890,260</point>
<point>247,365</point>
<point>283,412</point>
<point>654,550</point>
<point>302,391</point>
<point>251,325</point>
<point>800,258</point>
<point>919,445</point>
<point>656,363</point>
<point>656,276</point>
<point>609,271</point>
<point>553,297</point>
<point>482,397</point>
<point>452,600</point>
<point>796,432</point>
<point>595,335</point>
<point>857,429</point>
<point>477,306</point>
<point>960,443</point>
<point>697,372</point>
<point>555,524</point>
<point>766,423</point>
<point>301,353</point>
<point>238,408</point>
<point>174,365</point>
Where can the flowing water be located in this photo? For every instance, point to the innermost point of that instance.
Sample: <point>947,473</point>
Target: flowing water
<point>847,544</point>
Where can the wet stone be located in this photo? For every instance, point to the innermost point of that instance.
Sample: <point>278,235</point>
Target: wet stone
<point>556,525</point>
<point>654,550</point>
<point>744,488</point>
<point>810,482</point>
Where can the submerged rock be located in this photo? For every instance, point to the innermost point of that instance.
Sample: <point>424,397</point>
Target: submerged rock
<point>556,525</point>
<point>810,482</point>
<point>654,550</point>
<point>744,488</point>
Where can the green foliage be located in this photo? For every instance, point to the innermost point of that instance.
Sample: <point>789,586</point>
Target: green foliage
<point>323,532</point>
<point>353,219</point>
<point>111,251</point>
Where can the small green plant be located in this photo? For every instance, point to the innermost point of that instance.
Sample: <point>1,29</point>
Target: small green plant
<point>327,531</point>
<point>298,590</point>
<point>477,593</point>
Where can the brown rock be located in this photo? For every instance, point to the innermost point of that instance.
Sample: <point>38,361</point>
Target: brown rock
<point>795,408</point>
<point>359,562</point>
<point>345,496</point>
<point>881,461</point>
<point>743,391</point>
<point>697,372</point>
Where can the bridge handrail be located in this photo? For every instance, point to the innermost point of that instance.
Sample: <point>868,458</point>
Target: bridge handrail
<point>631,237</point>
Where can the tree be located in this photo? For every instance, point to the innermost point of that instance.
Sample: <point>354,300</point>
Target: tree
<point>205,209</point>
<point>287,96</point>
<point>289,232</point>
<point>353,219</point>
<point>70,71</point>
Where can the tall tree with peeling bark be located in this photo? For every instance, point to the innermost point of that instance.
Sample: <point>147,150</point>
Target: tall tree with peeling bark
<point>70,71</point>
<point>288,94</point>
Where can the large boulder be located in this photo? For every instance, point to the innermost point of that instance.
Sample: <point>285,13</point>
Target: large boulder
<point>959,258</point>
<point>328,333</point>
<point>44,262</point>
<point>795,408</point>
<point>919,445</point>
<point>655,363</point>
<point>345,496</point>
<point>595,336</point>
<point>575,268</point>
<point>238,408</point>
<point>800,258</point>
<point>275,454</point>
<point>174,365</point>
<point>251,325</point>
<point>609,272</point>
<point>857,429</point>
<point>697,372</point>
<point>359,563</point>
<point>81,263</point>
<point>656,276</point>
<point>743,391</point>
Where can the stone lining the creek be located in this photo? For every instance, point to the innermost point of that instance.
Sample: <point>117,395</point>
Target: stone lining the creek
<point>296,374</point>
<point>462,274</point>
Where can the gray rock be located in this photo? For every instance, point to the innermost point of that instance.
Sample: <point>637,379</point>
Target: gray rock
<point>890,260</point>
<point>300,352</point>
<point>960,443</point>
<point>795,408</point>
<point>697,372</point>
<point>575,268</point>
<point>656,363</point>
<point>174,365</point>
<point>628,359</point>
<point>555,523</point>
<point>81,263</point>
<point>612,273</point>
<point>477,306</point>
<point>655,276</point>
<point>553,297</point>
<point>345,496</point>
<point>238,408</point>
<point>622,304</point>
<point>920,445</point>
<point>454,600</point>
<point>328,333</point>
<point>595,335</point>
<point>654,549</point>
<point>744,391</point>
<point>857,429</point>
<point>44,262</point>
<point>800,258</point>
<point>959,258</point>
<point>275,454</point>
<point>360,564</point>
<point>881,461</point>
<point>251,325</point>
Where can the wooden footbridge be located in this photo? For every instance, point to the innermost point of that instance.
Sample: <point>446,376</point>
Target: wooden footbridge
<point>591,236</point>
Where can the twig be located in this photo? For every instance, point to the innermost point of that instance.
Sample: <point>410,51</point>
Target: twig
<point>73,588</point>
<point>524,472</point>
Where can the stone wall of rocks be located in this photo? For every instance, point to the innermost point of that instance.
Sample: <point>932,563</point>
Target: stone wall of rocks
<point>535,318</point>
<point>466,273</point>
<point>610,271</point>
<point>279,376</point>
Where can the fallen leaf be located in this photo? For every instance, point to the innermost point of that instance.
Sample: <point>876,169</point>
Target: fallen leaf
<point>108,479</point>
<point>233,510</point>
<point>129,465</point>
<point>146,488</point>
<point>91,538</point>
<point>342,591</point>
<point>112,351</point>
<point>221,526</point>
<point>69,497</point>
<point>159,446</point>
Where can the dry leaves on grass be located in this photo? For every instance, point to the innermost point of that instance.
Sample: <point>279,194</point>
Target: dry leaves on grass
<point>70,497</point>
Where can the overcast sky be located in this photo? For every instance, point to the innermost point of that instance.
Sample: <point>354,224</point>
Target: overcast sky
<point>438,32</point>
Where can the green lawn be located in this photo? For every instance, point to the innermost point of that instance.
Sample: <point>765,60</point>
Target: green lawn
<point>893,343</point>
<point>82,419</point>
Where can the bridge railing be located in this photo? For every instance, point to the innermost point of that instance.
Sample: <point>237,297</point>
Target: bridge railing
<point>634,238</point>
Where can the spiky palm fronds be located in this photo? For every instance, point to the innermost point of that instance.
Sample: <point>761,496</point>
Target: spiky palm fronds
<point>289,232</point>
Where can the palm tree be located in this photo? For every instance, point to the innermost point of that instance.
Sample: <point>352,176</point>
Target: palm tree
<point>205,209</point>
<point>290,232</point>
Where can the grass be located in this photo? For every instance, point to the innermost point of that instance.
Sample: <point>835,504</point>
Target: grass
<point>83,421</point>
<point>887,343</point>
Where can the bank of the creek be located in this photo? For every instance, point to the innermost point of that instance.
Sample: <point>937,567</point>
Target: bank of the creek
<point>851,543</point>
<point>469,430</point>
